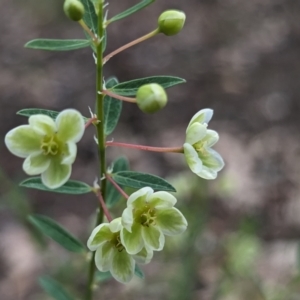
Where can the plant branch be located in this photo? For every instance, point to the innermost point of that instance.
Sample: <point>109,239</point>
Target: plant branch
<point>146,148</point>
<point>88,31</point>
<point>126,46</point>
<point>119,97</point>
<point>117,187</point>
<point>103,205</point>
<point>100,136</point>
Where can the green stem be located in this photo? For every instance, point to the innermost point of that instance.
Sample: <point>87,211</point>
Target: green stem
<point>101,139</point>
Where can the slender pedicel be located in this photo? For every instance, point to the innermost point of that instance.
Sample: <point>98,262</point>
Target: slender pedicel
<point>146,148</point>
<point>118,188</point>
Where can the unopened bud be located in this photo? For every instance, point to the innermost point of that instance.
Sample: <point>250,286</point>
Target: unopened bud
<point>151,98</point>
<point>171,22</point>
<point>74,9</point>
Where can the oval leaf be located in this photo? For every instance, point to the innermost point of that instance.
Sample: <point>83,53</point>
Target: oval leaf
<point>54,288</point>
<point>56,232</point>
<point>57,45</point>
<point>112,195</point>
<point>139,180</point>
<point>112,109</point>
<point>90,18</point>
<point>27,112</point>
<point>130,10</point>
<point>71,187</point>
<point>129,88</point>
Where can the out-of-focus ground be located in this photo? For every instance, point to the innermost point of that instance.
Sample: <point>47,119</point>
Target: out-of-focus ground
<point>240,58</point>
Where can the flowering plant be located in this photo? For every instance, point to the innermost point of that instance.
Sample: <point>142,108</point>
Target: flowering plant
<point>48,145</point>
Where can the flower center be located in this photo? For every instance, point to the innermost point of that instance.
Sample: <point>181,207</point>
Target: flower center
<point>200,148</point>
<point>116,241</point>
<point>50,145</point>
<point>147,216</point>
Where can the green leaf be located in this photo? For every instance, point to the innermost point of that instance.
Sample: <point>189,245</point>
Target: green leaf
<point>139,180</point>
<point>138,272</point>
<point>54,288</point>
<point>27,112</point>
<point>90,18</point>
<point>71,187</point>
<point>56,232</point>
<point>129,88</point>
<point>112,195</point>
<point>57,45</point>
<point>112,109</point>
<point>130,10</point>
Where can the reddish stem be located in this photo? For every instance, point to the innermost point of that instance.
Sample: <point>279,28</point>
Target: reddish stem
<point>117,187</point>
<point>122,98</point>
<point>89,122</point>
<point>103,205</point>
<point>146,148</point>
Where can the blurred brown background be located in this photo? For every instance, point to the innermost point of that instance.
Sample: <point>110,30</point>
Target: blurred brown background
<point>240,58</point>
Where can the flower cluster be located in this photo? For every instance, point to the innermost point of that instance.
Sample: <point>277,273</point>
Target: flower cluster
<point>149,216</point>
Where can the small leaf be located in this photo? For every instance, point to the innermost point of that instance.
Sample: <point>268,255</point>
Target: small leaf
<point>138,272</point>
<point>54,288</point>
<point>71,187</point>
<point>90,18</point>
<point>130,10</point>
<point>129,88</point>
<point>56,232</point>
<point>139,180</point>
<point>27,112</point>
<point>112,195</point>
<point>57,45</point>
<point>112,109</point>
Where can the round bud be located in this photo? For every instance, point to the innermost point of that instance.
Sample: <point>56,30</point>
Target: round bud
<point>151,98</point>
<point>171,22</point>
<point>74,9</point>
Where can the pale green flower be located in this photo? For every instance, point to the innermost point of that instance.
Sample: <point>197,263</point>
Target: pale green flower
<point>148,217</point>
<point>48,146</point>
<point>111,255</point>
<point>202,160</point>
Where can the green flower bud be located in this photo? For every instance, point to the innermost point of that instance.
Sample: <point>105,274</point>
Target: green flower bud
<point>74,9</point>
<point>151,98</point>
<point>171,22</point>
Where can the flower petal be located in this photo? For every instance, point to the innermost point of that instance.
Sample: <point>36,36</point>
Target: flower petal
<point>127,218</point>
<point>212,160</point>
<point>99,235</point>
<point>115,225</point>
<point>212,163</point>
<point>36,164</point>
<point>42,124</point>
<point>195,133</point>
<point>56,175</point>
<point>132,241</point>
<point>70,125</point>
<point>23,141</point>
<point>69,154</point>
<point>144,256</point>
<point>103,256</point>
<point>202,116</point>
<point>171,221</point>
<point>192,158</point>
<point>162,200</point>
<point>211,138</point>
<point>138,199</point>
<point>122,267</point>
<point>154,239</point>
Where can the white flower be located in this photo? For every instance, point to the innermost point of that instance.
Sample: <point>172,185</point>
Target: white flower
<point>201,158</point>
<point>48,146</point>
